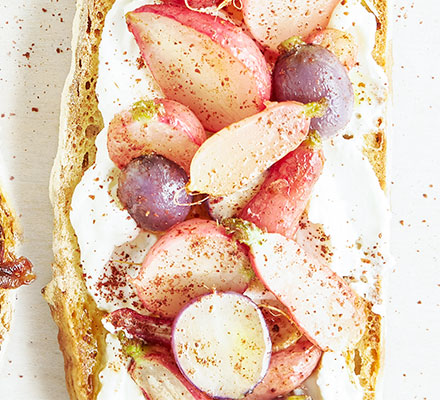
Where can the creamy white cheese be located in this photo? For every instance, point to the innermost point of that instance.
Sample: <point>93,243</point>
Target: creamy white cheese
<point>116,382</point>
<point>99,223</point>
<point>333,381</point>
<point>347,200</point>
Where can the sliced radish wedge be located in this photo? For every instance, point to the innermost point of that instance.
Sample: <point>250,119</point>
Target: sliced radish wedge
<point>272,21</point>
<point>191,259</point>
<point>321,303</point>
<point>147,328</point>
<point>287,370</point>
<point>251,145</point>
<point>222,345</point>
<point>156,373</point>
<point>202,61</point>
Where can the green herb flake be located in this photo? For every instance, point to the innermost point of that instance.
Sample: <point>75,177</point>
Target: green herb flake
<point>316,109</point>
<point>290,44</point>
<point>313,139</point>
<point>244,231</point>
<point>145,110</point>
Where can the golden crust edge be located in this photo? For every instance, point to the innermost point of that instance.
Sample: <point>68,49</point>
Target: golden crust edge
<point>10,231</point>
<point>81,335</point>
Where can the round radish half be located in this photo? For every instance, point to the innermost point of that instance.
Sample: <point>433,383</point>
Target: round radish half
<point>221,343</point>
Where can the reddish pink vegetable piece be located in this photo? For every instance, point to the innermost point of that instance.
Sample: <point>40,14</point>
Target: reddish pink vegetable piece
<point>341,44</point>
<point>147,328</point>
<point>278,205</point>
<point>241,152</point>
<point>157,126</point>
<point>202,61</point>
<point>273,21</point>
<point>192,3</point>
<point>287,370</point>
<point>322,304</point>
<point>191,259</point>
<point>159,366</point>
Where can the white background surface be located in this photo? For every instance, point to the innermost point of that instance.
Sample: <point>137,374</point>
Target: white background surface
<point>30,87</point>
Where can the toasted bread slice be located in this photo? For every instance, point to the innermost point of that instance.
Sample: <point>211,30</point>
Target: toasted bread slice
<point>81,334</point>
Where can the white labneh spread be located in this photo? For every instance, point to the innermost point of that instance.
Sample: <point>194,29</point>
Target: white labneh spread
<point>347,202</point>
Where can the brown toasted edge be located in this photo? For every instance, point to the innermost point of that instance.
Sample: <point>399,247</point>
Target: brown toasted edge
<point>81,335</point>
<point>366,359</point>
<point>376,142</point>
<point>8,233</point>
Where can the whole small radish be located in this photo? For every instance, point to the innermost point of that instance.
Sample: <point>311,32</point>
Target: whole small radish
<point>158,126</point>
<point>309,72</point>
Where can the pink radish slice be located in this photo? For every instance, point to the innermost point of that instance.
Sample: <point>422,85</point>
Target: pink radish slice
<point>287,370</point>
<point>251,145</point>
<point>202,61</point>
<point>159,378</point>
<point>157,126</point>
<point>278,205</point>
<point>273,21</point>
<point>191,259</point>
<point>321,303</point>
<point>222,345</point>
<point>149,329</point>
